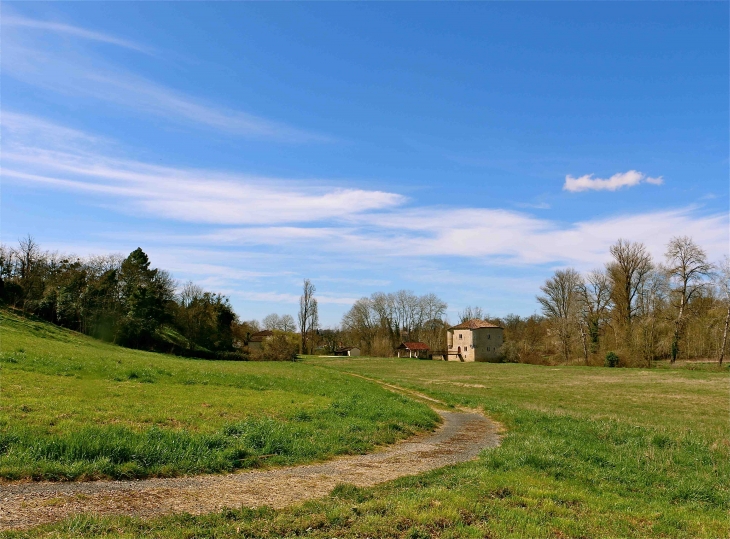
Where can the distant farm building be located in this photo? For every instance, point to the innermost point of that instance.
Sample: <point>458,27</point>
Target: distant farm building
<point>350,351</point>
<point>473,340</point>
<point>414,349</point>
<point>256,341</point>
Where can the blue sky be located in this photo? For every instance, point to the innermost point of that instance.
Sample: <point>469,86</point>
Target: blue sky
<point>466,149</point>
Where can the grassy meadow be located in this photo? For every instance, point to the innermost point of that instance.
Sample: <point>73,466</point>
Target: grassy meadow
<point>587,452</point>
<point>72,407</point>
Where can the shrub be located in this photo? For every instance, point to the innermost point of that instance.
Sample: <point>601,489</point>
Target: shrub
<point>231,356</point>
<point>509,353</point>
<point>611,360</point>
<point>279,347</point>
<point>11,293</point>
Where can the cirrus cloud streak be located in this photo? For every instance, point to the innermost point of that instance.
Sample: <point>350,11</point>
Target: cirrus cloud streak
<point>49,64</point>
<point>75,31</point>
<point>31,155</point>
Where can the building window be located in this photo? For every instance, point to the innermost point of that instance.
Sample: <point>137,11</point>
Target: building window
<point>489,349</point>
<point>460,335</point>
<point>489,336</point>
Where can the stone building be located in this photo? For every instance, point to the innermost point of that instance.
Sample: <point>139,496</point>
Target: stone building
<point>256,342</point>
<point>474,340</point>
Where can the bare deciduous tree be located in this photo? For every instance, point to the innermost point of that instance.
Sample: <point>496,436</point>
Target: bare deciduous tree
<point>313,325</point>
<point>28,253</point>
<point>651,300</point>
<point>471,313</point>
<point>281,323</point>
<point>432,307</point>
<point>406,308</point>
<point>722,281</point>
<point>688,269</point>
<point>384,306</point>
<point>595,299</point>
<point>630,267</point>
<point>287,323</point>
<point>431,323</point>
<point>29,257</point>
<point>560,304</point>
<point>308,316</point>
<point>271,321</point>
<point>361,321</point>
<point>389,318</point>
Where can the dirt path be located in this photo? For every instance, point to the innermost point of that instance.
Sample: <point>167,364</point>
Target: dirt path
<point>460,438</point>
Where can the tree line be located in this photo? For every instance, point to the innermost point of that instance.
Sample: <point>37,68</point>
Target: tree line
<point>636,308</point>
<point>379,323</point>
<point>126,301</point>
<point>117,299</point>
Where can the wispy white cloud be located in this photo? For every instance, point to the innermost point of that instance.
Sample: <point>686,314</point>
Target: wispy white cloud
<point>200,196</point>
<point>75,31</point>
<point>350,281</point>
<point>27,129</point>
<point>277,297</point>
<point>144,95</point>
<point>493,237</point>
<point>331,228</point>
<point>502,237</point>
<point>617,181</point>
<point>65,70</point>
<point>534,206</point>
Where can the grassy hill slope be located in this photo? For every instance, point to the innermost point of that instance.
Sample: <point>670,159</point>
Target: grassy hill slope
<point>72,407</point>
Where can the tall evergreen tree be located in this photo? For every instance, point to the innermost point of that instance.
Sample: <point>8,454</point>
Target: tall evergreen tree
<point>144,296</point>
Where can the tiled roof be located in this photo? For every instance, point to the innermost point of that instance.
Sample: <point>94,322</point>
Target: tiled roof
<point>475,324</point>
<point>414,346</point>
<point>260,335</point>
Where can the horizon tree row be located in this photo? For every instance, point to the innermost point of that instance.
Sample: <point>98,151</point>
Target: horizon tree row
<point>638,308</point>
<point>379,323</point>
<point>117,299</point>
<point>641,308</point>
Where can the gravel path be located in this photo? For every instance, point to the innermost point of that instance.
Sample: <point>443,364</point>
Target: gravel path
<point>461,437</point>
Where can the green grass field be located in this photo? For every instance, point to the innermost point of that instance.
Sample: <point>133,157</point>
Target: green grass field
<point>74,408</point>
<point>588,452</point>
